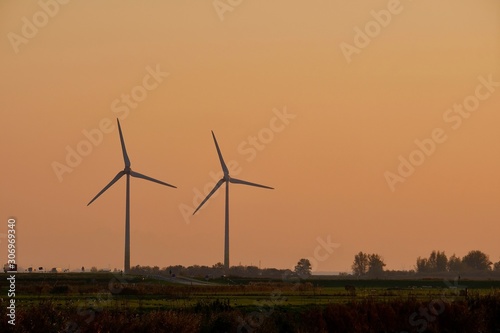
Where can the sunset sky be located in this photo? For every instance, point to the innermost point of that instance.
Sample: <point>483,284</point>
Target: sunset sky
<point>329,102</point>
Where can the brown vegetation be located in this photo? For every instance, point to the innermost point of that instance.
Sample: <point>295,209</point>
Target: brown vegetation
<point>468,315</point>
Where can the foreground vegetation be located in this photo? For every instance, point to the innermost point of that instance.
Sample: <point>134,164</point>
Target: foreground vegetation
<point>106,302</point>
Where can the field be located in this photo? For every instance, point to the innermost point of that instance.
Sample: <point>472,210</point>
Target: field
<point>107,302</point>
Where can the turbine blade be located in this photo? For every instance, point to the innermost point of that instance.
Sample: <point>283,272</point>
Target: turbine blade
<point>239,181</point>
<point>118,176</point>
<point>124,150</point>
<point>219,183</point>
<point>139,175</point>
<point>224,167</point>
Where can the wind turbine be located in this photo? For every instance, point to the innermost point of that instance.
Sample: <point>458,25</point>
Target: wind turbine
<point>226,179</point>
<point>127,171</point>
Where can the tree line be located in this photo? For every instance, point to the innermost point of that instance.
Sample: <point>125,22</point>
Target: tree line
<point>364,265</point>
<point>214,271</point>
<point>475,261</point>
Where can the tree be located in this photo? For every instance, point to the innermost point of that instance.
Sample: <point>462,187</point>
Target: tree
<point>477,260</point>
<point>360,264</point>
<point>303,268</point>
<point>496,267</point>
<point>432,262</point>
<point>454,264</point>
<point>252,271</point>
<point>375,265</point>
<point>437,262</point>
<point>218,265</point>
<point>441,262</point>
<point>422,265</point>
<point>237,270</point>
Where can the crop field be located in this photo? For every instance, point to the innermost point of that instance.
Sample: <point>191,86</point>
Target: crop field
<point>107,302</point>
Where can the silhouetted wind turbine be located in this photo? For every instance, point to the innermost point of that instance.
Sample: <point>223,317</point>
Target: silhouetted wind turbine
<point>226,179</point>
<point>127,171</point>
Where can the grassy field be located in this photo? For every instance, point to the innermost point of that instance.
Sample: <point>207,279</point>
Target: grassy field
<point>80,302</point>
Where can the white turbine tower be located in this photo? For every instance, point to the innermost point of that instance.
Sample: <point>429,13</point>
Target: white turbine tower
<point>226,179</point>
<point>127,171</point>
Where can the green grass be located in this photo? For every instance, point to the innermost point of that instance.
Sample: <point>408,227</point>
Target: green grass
<point>147,294</point>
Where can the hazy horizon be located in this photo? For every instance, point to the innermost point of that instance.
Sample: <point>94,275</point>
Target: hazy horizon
<point>376,123</point>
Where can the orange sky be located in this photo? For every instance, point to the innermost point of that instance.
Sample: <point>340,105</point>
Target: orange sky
<point>351,115</point>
